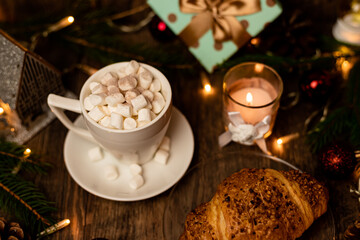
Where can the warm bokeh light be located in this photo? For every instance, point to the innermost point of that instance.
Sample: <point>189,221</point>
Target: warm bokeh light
<point>207,88</point>
<point>70,19</point>
<point>279,141</point>
<point>27,151</point>
<point>249,98</point>
<point>1,110</point>
<point>67,221</point>
<point>12,129</point>
<point>259,67</point>
<point>255,41</point>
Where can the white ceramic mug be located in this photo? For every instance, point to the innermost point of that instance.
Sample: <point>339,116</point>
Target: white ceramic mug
<point>137,145</point>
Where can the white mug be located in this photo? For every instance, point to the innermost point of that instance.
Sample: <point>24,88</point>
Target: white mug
<point>133,146</point>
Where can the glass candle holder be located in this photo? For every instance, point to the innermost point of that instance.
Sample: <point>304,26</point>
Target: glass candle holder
<point>252,91</point>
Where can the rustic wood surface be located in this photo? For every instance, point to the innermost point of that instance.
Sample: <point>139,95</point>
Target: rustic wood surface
<point>161,217</point>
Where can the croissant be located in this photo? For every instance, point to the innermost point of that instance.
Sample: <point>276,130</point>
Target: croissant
<point>259,204</point>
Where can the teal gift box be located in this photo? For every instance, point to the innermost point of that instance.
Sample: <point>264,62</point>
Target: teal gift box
<point>215,29</point>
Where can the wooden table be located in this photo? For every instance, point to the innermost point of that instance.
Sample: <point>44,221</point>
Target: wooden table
<point>93,217</point>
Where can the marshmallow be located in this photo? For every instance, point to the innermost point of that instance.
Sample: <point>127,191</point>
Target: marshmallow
<point>144,116</point>
<point>129,123</point>
<point>158,103</point>
<point>92,85</point>
<point>139,102</point>
<point>112,109</point>
<point>116,120</point>
<point>131,94</point>
<point>124,109</point>
<point>114,99</point>
<point>121,73</point>
<point>111,172</point>
<point>145,79</point>
<point>106,110</point>
<point>142,69</point>
<point>110,78</point>
<point>132,67</point>
<point>127,83</point>
<point>135,169</point>
<point>95,154</point>
<point>99,89</point>
<point>161,156</point>
<point>140,89</point>
<point>97,99</point>
<point>155,86</point>
<point>153,115</point>
<point>96,114</point>
<point>136,182</point>
<point>87,104</point>
<point>165,144</point>
<point>105,122</point>
<point>148,94</point>
<point>112,89</point>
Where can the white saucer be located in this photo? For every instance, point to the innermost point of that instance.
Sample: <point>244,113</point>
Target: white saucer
<point>158,178</point>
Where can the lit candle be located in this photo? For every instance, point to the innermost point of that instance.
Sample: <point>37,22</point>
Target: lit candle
<point>253,90</point>
<point>252,97</point>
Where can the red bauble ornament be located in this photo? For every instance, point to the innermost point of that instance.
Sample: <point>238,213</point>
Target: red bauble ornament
<point>317,85</point>
<point>337,160</point>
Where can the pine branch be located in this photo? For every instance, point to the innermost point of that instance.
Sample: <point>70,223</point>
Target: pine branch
<point>12,156</point>
<point>23,199</point>
<point>343,124</point>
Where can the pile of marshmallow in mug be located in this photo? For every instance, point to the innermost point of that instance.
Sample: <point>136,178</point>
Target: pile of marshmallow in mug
<point>126,99</point>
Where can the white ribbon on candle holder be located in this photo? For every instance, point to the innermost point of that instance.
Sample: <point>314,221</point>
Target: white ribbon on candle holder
<point>243,133</point>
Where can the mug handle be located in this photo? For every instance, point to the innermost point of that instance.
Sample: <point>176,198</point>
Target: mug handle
<point>58,104</point>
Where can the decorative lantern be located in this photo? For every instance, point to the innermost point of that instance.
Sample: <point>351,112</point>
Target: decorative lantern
<point>25,81</point>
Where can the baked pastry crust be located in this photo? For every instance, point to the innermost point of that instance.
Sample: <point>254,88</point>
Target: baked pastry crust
<point>259,204</point>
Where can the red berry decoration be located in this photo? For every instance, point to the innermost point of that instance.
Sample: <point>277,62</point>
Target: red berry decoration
<point>317,85</point>
<point>337,160</point>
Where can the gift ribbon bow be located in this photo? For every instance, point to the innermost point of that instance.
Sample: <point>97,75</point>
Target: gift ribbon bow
<point>218,15</point>
<point>243,133</point>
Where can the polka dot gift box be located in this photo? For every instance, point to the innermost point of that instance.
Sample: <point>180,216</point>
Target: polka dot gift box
<point>215,29</point>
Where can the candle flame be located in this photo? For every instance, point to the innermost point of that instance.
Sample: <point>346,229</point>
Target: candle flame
<point>249,98</point>
<point>279,141</point>
<point>70,19</point>
<point>1,110</point>
<point>259,67</point>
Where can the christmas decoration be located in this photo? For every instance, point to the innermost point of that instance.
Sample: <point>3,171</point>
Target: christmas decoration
<point>317,85</point>
<point>342,123</point>
<point>293,38</point>
<point>337,160</point>
<point>26,80</point>
<point>11,230</point>
<point>19,197</point>
<point>160,30</point>
<point>214,30</point>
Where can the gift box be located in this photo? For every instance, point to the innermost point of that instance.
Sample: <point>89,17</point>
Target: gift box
<point>215,29</point>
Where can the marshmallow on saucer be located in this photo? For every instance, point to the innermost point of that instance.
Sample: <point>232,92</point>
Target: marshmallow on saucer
<point>165,144</point>
<point>135,169</point>
<point>111,172</point>
<point>95,154</point>
<point>136,182</point>
<point>161,156</point>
